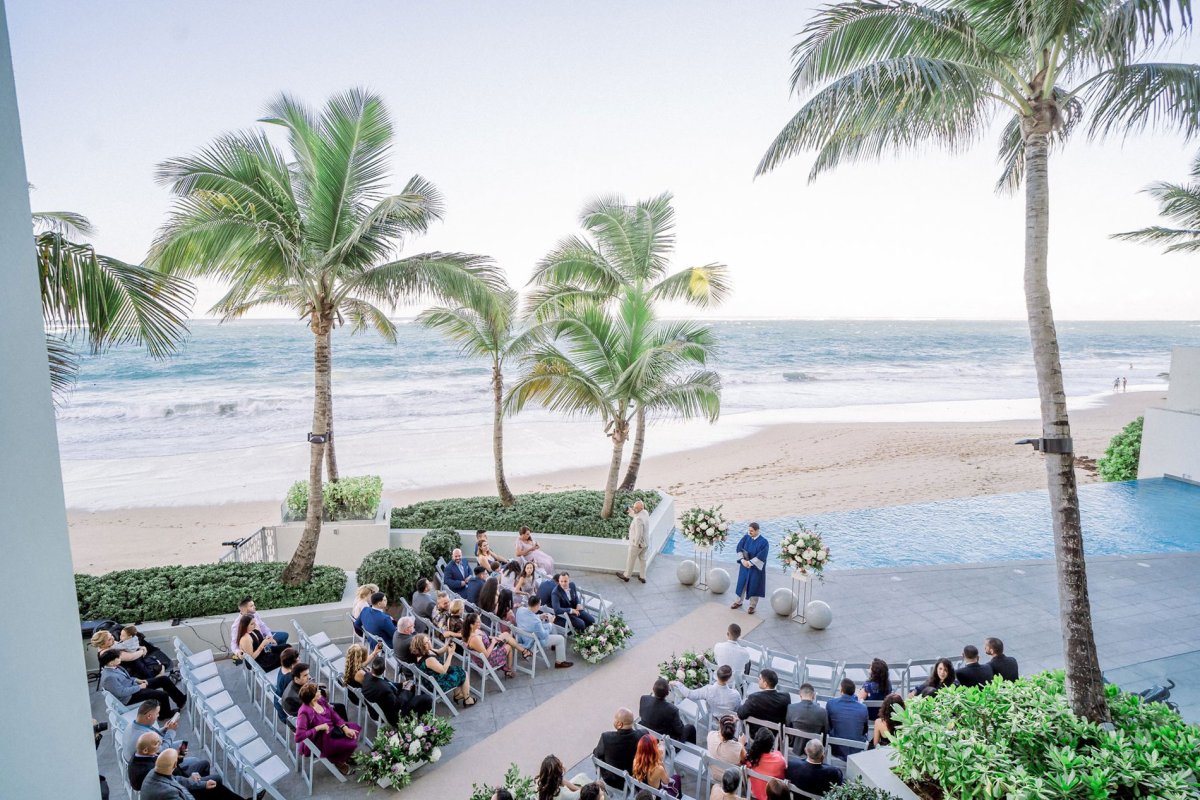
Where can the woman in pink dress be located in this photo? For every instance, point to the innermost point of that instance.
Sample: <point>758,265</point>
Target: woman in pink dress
<point>319,723</point>
<point>530,550</point>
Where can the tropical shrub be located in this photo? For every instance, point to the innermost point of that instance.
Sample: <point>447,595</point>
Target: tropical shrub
<point>1021,739</point>
<point>576,513</point>
<point>858,791</point>
<point>1120,460</point>
<point>355,497</point>
<point>164,593</point>
<point>521,787</point>
<point>394,570</point>
<point>440,543</point>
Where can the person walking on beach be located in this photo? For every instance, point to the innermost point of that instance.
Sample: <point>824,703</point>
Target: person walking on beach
<point>639,538</point>
<point>752,568</point>
<point>1116,384</point>
<point>1124,384</point>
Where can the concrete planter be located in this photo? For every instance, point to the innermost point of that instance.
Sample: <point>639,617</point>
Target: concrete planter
<point>343,543</point>
<point>875,769</point>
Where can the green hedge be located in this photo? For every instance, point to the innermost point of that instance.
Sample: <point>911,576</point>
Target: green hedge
<point>395,571</point>
<point>858,791</point>
<point>1120,460</point>
<point>440,543</point>
<point>354,497</point>
<point>1020,739</point>
<point>576,513</point>
<point>164,593</point>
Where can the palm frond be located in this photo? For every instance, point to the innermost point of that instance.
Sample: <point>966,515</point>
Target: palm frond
<point>462,325</point>
<point>69,224</point>
<point>557,383</point>
<point>64,365</point>
<point>455,277</point>
<point>1132,27</point>
<point>1133,97</point>
<point>697,394</point>
<point>363,315</point>
<point>703,286</point>
<point>1180,204</point>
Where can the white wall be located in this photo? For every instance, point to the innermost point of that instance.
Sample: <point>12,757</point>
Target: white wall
<point>49,738</point>
<point>1171,435</point>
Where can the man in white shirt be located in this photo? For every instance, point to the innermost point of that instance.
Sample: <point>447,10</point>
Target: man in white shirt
<point>731,652</point>
<point>721,698</point>
<point>639,540</point>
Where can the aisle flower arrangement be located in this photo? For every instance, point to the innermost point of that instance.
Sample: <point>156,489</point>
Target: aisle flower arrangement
<point>597,642</point>
<point>521,787</point>
<point>688,668</point>
<point>803,551</point>
<point>396,752</point>
<point>704,527</point>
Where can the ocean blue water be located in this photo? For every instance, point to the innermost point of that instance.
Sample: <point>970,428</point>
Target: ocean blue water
<point>1158,515</point>
<point>250,382</point>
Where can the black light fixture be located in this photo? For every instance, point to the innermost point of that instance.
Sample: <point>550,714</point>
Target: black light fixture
<point>318,438</point>
<point>1060,446</point>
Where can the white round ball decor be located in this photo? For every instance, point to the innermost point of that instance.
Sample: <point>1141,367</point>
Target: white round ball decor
<point>718,581</point>
<point>688,572</point>
<point>783,601</point>
<point>818,614</point>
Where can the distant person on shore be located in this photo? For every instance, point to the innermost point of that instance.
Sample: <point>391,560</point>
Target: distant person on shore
<point>752,568</point>
<point>1124,384</point>
<point>1116,384</point>
<point>247,607</point>
<point>1002,665</point>
<point>457,573</point>
<point>530,550</point>
<point>639,540</point>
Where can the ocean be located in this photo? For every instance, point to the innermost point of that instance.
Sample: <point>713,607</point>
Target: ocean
<point>226,417</point>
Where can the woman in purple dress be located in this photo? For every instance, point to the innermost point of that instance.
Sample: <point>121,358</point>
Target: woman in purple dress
<point>319,723</point>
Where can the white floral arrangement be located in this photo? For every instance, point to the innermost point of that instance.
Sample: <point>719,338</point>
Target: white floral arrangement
<point>688,669</point>
<point>803,551</point>
<point>599,641</point>
<point>396,752</point>
<point>704,527</point>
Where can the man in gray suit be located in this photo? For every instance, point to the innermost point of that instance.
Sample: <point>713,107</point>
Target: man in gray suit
<point>807,716</point>
<point>639,540</point>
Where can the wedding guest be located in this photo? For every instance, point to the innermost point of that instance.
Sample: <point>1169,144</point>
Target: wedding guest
<point>423,600</point>
<point>392,698</point>
<point>720,697</point>
<point>287,660</point>
<point>450,677</point>
<point>732,652</point>
<point>485,558</point>
<point>474,585</point>
<point>318,722</point>
<point>489,595</point>
<point>530,550</point>
<point>725,745</point>
<point>639,541</point>
<point>811,773</point>
<point>362,599</point>
<point>457,573</point>
<point>552,783</point>
<point>763,758</point>
<point>568,606</point>
<point>939,678</point>
<point>252,643</point>
<point>506,612</point>
<point>497,651</point>
<point>661,716</point>
<point>727,788</point>
<point>593,791</point>
<point>357,659</point>
<point>1002,665</point>
<point>847,717</point>
<point>648,763</point>
<point>246,606</point>
<point>129,690</point>
<point>877,686</point>
<point>807,715</point>
<point>531,620</point>
<point>769,704</point>
<point>617,748</point>
<point>134,657</point>
<point>886,723</point>
<point>752,569</point>
<point>972,673</point>
<point>376,622</point>
<point>527,582</point>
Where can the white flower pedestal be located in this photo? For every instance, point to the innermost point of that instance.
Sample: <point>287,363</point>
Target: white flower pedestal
<point>704,561</point>
<point>802,588</point>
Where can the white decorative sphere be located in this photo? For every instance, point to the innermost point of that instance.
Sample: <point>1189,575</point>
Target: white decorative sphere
<point>783,601</point>
<point>688,572</point>
<point>818,614</point>
<point>718,581</point>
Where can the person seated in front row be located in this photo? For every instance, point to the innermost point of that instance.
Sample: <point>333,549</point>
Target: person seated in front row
<point>317,721</point>
<point>147,721</point>
<point>474,586</point>
<point>377,625</point>
<point>457,572</point>
<point>732,652</point>
<point>568,606</point>
<point>532,621</point>
<point>133,656</point>
<point>246,606</point>
<point>128,689</point>
<point>847,717</point>
<point>392,698</point>
<point>1002,665</point>
<point>661,716</point>
<point>972,673</point>
<point>162,781</point>
<point>811,773</point>
<point>291,695</point>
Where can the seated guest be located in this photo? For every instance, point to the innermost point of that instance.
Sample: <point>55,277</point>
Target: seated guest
<point>552,783</point>
<point>720,697</point>
<point>441,609</point>
<point>317,721</point>
<point>648,764</point>
<point>545,591</point>
<point>725,745</point>
<point>939,678</point>
<point>727,787</point>
<point>141,763</point>
<point>253,644</point>
<point>423,600</point>
<point>662,716</point>
<point>474,585</point>
<point>807,715</point>
<point>847,717</point>
<point>484,557</point>
<point>457,573</point>
<point>362,599</point>
<point>532,552</point>
<point>617,748</point>
<point>811,773</point>
<point>496,650</point>
<point>287,660</point>
<point>489,595</point>
<point>134,657</point>
<point>763,758</point>
<point>450,677</point>
<point>377,625</point>
<point>291,695</point>
<point>507,614</point>
<point>392,698</point>
<point>246,606</point>
<point>406,628</point>
<point>194,781</point>
<point>972,673</point>
<point>568,606</point>
<point>355,668</point>
<point>769,704</point>
<point>453,619</point>
<point>147,721</point>
<point>527,581</point>
<point>164,782</point>
<point>778,790</point>
<point>877,686</point>
<point>1002,665</point>
<point>532,621</point>
<point>129,690</point>
<point>885,723</point>
<point>731,652</point>
<point>593,791</point>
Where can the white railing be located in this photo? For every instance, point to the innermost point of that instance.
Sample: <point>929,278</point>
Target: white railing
<point>258,546</point>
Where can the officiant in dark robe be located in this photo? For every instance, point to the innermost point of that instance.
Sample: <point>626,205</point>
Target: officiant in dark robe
<point>752,568</point>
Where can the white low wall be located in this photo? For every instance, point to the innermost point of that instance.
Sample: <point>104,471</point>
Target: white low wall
<point>1171,435</point>
<point>342,544</point>
<point>875,769</point>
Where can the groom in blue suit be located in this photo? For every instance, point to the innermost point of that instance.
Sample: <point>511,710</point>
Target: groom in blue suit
<point>457,573</point>
<point>568,608</point>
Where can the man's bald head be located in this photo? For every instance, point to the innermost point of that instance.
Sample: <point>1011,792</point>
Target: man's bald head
<point>148,743</point>
<point>167,759</point>
<point>623,718</point>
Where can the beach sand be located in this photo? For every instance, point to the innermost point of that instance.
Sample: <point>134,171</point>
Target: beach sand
<point>776,471</point>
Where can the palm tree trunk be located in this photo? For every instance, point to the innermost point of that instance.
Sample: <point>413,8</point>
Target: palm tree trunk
<point>506,495</point>
<point>330,457</point>
<point>635,456</point>
<point>1085,689</point>
<point>619,434</point>
<point>299,569</point>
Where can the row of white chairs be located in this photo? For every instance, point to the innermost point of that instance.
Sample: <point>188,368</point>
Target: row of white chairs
<point>824,675</point>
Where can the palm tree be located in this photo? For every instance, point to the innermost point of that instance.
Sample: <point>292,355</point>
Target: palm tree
<point>631,251</point>
<point>884,77</point>
<point>487,329</point>
<point>314,232</point>
<point>1180,203</point>
<point>597,359</point>
<point>105,300</point>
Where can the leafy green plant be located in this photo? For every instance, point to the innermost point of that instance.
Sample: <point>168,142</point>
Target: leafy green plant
<point>394,570</point>
<point>440,543</point>
<point>858,791</point>
<point>576,513</point>
<point>349,498</point>
<point>163,593</point>
<point>522,787</point>
<point>1120,460</point>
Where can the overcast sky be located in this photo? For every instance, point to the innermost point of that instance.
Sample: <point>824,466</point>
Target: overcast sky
<point>520,111</point>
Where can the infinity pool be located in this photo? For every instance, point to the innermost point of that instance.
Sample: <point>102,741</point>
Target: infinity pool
<point>1158,515</point>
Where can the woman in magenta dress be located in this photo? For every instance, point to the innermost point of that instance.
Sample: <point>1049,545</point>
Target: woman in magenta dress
<point>530,550</point>
<point>317,722</point>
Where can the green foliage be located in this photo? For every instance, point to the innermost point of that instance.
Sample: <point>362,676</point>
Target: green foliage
<point>1120,460</point>
<point>522,787</point>
<point>347,498</point>
<point>440,543</point>
<point>164,593</point>
<point>576,513</point>
<point>1020,739</point>
<point>858,791</point>
<point>394,570</point>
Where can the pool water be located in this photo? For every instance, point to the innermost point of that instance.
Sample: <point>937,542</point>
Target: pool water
<point>1158,515</point>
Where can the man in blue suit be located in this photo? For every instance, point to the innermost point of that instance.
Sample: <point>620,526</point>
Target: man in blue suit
<point>457,573</point>
<point>568,607</point>
<point>377,625</point>
<point>545,591</point>
<point>470,592</point>
<point>847,717</point>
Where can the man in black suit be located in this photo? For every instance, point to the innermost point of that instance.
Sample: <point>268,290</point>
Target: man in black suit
<point>972,673</point>
<point>661,716</point>
<point>393,700</point>
<point>568,608</point>
<point>811,773</point>
<point>1002,665</point>
<point>457,572</point>
<point>470,592</point>
<point>617,748</point>
<point>769,705</point>
<point>807,716</point>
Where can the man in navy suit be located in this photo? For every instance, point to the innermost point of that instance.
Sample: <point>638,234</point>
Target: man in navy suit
<point>847,717</point>
<point>457,573</point>
<point>377,625</point>
<point>545,591</point>
<point>470,592</point>
<point>567,606</point>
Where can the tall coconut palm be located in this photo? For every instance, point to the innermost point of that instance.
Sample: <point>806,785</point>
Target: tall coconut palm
<point>883,77</point>
<point>598,360</point>
<point>104,300</point>
<point>314,231</point>
<point>489,329</point>
<point>630,250</point>
<point>1179,203</point>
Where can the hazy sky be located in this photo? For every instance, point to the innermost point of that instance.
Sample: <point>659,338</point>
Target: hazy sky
<point>521,111</point>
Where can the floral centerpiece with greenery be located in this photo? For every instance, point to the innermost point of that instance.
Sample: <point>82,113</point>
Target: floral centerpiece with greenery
<point>597,642</point>
<point>803,551</point>
<point>396,752</point>
<point>704,527</point>
<point>521,787</point>
<point>688,668</point>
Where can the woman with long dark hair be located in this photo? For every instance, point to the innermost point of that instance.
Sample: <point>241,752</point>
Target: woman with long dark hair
<point>764,759</point>
<point>885,723</point>
<point>941,677</point>
<point>489,595</point>
<point>551,785</point>
<point>877,686</point>
<point>253,644</point>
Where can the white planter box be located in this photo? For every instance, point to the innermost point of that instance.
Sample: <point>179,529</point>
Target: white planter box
<point>342,544</point>
<point>875,769</point>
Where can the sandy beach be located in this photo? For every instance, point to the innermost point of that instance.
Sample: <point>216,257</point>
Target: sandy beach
<point>778,470</point>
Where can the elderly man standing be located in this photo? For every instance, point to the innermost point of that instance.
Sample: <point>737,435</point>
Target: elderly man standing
<point>639,540</point>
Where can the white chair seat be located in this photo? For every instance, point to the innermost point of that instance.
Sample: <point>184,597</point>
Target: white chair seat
<point>320,640</point>
<point>242,734</point>
<point>230,717</point>
<point>255,752</point>
<point>210,687</point>
<point>330,651</point>
<point>219,702</point>
<point>339,665</point>
<point>200,659</point>
<point>688,708</point>
<point>204,673</point>
<point>272,770</point>
<point>689,762</point>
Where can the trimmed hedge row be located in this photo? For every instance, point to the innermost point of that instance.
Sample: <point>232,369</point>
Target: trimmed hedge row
<point>165,593</point>
<point>355,497</point>
<point>576,513</point>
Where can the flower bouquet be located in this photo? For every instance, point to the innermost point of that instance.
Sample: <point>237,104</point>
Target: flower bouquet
<point>704,527</point>
<point>803,552</point>
<point>396,752</point>
<point>521,787</point>
<point>597,642</point>
<point>688,668</point>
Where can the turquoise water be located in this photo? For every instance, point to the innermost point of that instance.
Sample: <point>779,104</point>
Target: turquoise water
<point>1158,515</point>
